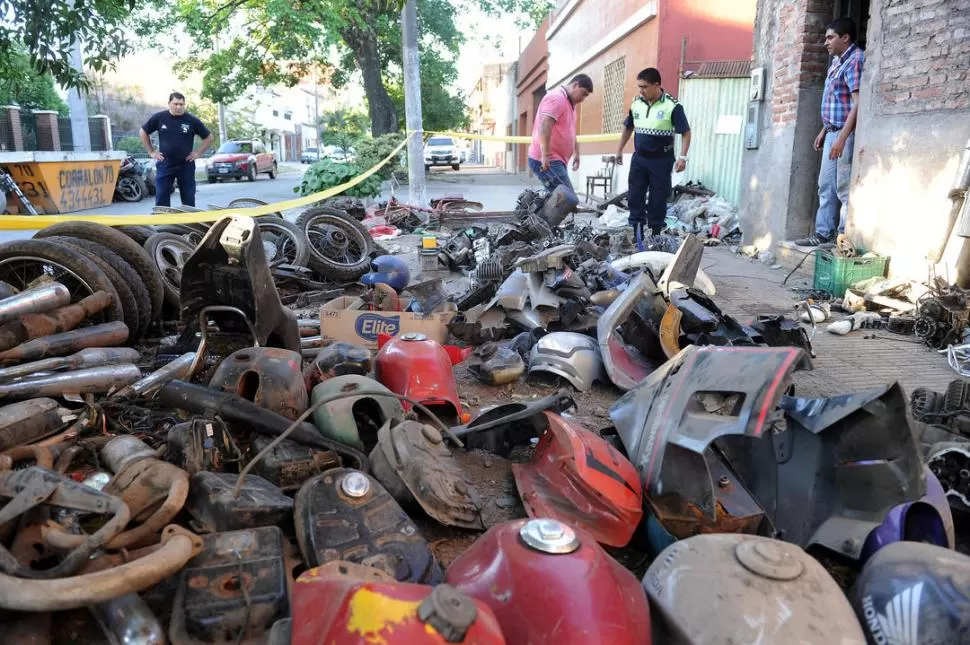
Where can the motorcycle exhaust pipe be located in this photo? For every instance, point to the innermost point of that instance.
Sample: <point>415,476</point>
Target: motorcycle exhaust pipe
<point>90,357</point>
<point>94,380</point>
<point>37,325</point>
<point>106,335</point>
<point>177,369</point>
<point>45,298</point>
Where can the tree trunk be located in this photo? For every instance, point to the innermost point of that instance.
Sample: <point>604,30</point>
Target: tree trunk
<point>363,42</point>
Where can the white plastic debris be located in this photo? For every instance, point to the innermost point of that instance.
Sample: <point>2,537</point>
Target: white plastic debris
<point>855,321</point>
<point>614,217</point>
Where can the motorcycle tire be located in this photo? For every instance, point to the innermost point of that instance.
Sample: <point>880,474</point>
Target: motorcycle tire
<point>138,233</point>
<point>351,229</point>
<point>131,188</point>
<point>276,227</point>
<point>126,297</point>
<point>74,260</point>
<point>140,318</point>
<point>121,244</point>
<point>172,283</point>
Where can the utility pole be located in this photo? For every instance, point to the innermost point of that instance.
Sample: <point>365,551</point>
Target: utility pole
<point>417,188</point>
<point>316,113</point>
<point>80,130</point>
<point>223,130</point>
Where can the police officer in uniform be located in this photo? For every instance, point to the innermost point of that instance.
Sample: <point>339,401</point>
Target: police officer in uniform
<point>655,117</point>
<point>175,158</point>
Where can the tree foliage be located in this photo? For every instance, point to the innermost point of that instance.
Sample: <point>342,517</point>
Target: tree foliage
<point>23,86</point>
<point>327,174</point>
<point>44,30</point>
<point>344,128</point>
<point>265,42</point>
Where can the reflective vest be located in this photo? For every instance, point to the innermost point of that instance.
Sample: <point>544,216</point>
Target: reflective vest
<point>656,119</point>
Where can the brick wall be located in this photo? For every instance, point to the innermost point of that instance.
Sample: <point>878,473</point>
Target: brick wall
<point>926,56</point>
<point>798,56</point>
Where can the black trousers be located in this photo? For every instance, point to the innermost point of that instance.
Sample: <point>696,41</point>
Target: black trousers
<point>649,174</point>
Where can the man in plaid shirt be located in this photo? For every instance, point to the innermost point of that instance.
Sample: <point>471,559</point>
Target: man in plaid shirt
<point>840,103</point>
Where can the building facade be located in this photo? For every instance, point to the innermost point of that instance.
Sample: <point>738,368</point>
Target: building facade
<point>913,124</point>
<point>611,42</point>
<point>492,112</point>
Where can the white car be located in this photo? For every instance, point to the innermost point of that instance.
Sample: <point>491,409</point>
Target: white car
<point>442,151</point>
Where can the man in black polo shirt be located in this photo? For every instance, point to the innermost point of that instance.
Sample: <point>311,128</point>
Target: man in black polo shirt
<point>175,159</point>
<point>655,116</point>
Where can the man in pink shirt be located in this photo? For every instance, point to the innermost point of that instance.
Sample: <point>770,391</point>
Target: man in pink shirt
<point>554,135</point>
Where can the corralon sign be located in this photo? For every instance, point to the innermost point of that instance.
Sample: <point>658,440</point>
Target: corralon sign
<point>64,186</point>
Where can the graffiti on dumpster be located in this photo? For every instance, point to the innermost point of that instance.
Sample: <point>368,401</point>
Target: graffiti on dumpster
<point>84,188</point>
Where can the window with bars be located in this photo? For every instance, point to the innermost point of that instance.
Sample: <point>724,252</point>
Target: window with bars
<point>614,75</point>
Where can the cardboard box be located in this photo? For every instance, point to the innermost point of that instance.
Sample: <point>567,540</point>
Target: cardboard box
<point>363,327</point>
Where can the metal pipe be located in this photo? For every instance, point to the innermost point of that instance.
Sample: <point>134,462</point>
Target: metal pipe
<point>178,547</point>
<point>311,342</point>
<point>957,197</point>
<point>94,380</point>
<point>45,298</point>
<point>38,325</point>
<point>127,620</point>
<point>90,357</point>
<point>177,369</point>
<point>106,335</point>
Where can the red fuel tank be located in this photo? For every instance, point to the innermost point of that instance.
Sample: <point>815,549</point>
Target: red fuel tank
<point>421,369</point>
<point>549,583</point>
<point>331,608</point>
<point>576,477</point>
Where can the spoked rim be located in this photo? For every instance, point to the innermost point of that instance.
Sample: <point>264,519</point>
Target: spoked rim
<point>280,244</point>
<point>336,240</point>
<point>28,271</point>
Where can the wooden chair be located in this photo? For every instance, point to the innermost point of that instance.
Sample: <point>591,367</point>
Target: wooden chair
<point>603,179</point>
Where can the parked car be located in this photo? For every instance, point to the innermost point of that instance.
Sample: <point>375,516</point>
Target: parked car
<point>238,159</point>
<point>441,151</point>
<point>311,155</point>
<point>338,154</point>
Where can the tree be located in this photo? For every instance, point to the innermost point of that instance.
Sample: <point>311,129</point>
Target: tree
<point>240,124</point>
<point>440,108</point>
<point>24,87</point>
<point>266,42</point>
<point>44,30</point>
<point>343,128</point>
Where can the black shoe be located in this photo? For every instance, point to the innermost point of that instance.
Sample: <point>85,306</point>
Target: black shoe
<point>814,240</point>
<point>656,230</point>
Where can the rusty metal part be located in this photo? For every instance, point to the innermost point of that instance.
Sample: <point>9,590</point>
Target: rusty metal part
<point>290,464</point>
<point>43,456</point>
<point>94,380</point>
<point>235,589</point>
<point>34,628</point>
<point>268,376</point>
<point>177,369</point>
<point>236,410</point>
<point>127,620</point>
<point>35,486</point>
<point>337,359</point>
<point>102,585</point>
<point>214,507</point>
<point>202,444</point>
<point>229,268</point>
<point>578,478</point>
<point>118,452</point>
<point>106,335</point>
<point>155,491</point>
<point>413,463</point>
<point>30,326</point>
<point>43,298</point>
<point>345,514</point>
<point>345,569</point>
<point>701,589</point>
<point>27,421</point>
<point>6,463</point>
<point>670,331</point>
<point>90,357</point>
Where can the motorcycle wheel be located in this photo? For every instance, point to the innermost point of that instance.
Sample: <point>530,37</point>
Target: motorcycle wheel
<point>131,189</point>
<point>340,246</point>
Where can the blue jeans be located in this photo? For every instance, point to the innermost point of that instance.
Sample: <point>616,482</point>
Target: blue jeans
<point>556,175</point>
<point>833,188</point>
<point>165,175</point>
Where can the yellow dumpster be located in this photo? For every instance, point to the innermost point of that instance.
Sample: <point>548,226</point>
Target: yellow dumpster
<point>62,182</point>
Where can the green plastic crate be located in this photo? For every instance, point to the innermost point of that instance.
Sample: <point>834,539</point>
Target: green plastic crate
<point>835,275</point>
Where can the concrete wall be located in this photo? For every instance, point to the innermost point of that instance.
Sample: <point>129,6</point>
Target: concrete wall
<point>714,29</point>
<point>913,126</point>
<point>779,178</point>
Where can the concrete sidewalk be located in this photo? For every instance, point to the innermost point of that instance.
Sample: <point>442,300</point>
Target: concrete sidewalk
<point>863,359</point>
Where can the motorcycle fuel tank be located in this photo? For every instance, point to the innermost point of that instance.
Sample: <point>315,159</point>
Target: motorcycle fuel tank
<point>549,583</point>
<point>268,376</point>
<point>578,478</point>
<point>420,369</point>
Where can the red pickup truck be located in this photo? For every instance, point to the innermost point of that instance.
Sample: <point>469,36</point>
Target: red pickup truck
<point>238,159</point>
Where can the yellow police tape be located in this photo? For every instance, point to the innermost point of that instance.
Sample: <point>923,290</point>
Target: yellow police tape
<point>31,222</point>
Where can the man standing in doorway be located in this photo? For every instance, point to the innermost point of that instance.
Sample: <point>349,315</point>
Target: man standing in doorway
<point>175,158</point>
<point>836,140</point>
<point>655,117</point>
<point>554,135</point>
